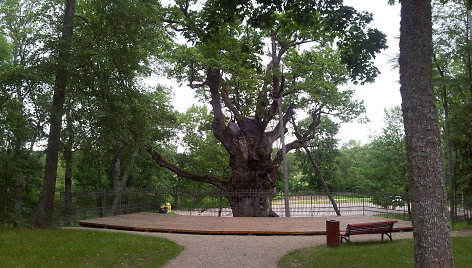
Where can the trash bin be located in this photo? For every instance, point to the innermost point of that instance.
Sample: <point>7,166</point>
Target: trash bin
<point>332,233</point>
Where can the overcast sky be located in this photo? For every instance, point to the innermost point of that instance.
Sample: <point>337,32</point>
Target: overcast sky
<point>384,93</point>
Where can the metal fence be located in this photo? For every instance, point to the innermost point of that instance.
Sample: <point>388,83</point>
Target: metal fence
<point>87,205</point>
<point>95,204</point>
<point>462,208</point>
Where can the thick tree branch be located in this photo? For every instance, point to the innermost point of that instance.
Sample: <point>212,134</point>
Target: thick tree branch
<point>277,94</point>
<point>171,21</point>
<point>184,8</point>
<point>220,130</point>
<point>301,138</point>
<point>199,85</point>
<point>213,81</point>
<point>186,174</point>
<point>262,100</point>
<point>228,102</point>
<point>275,133</point>
<point>289,147</point>
<point>293,44</point>
<point>438,66</point>
<point>316,115</point>
<point>277,87</point>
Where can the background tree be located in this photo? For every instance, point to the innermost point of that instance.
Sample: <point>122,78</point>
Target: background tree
<point>24,90</point>
<point>349,167</point>
<point>452,72</point>
<point>383,169</point>
<point>325,152</point>
<point>386,158</point>
<point>203,152</point>
<point>316,167</point>
<point>43,218</point>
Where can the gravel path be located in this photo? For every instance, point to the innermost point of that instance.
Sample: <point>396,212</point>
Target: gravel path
<point>233,251</point>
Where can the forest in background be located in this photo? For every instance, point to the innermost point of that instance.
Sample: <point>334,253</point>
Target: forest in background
<point>111,115</point>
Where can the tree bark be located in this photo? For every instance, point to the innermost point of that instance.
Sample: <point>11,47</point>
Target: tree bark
<point>429,207</point>
<point>20,181</point>
<point>253,180</point>
<point>252,203</point>
<point>44,213</point>
<point>68,177</point>
<point>250,188</point>
<point>119,182</point>
<point>469,40</point>
<point>19,190</point>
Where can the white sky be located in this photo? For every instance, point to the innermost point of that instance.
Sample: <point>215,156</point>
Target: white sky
<point>384,93</point>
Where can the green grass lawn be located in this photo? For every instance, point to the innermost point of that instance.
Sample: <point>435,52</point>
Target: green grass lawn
<point>398,253</point>
<point>395,216</point>
<point>82,248</point>
<point>461,225</point>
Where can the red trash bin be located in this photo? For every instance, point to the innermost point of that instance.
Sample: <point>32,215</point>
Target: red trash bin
<point>332,233</point>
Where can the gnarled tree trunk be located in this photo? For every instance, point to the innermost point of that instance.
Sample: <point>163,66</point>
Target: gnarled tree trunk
<point>252,204</point>
<point>253,179</point>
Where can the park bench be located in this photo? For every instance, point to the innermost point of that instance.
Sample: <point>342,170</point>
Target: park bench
<point>383,227</point>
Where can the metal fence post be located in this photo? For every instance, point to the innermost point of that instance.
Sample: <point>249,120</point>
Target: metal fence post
<point>85,207</point>
<point>104,203</point>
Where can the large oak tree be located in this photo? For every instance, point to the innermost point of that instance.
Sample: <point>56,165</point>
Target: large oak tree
<point>244,57</point>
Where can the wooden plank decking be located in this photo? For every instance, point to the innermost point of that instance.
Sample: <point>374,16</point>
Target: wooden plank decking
<point>155,222</point>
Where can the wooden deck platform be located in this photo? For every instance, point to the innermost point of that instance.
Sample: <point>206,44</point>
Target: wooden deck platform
<point>155,222</point>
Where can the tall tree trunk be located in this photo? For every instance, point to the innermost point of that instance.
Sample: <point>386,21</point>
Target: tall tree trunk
<point>44,213</point>
<point>447,133</point>
<point>284,159</point>
<point>429,206</point>
<point>468,56</point>
<point>20,181</point>
<point>119,182</point>
<point>19,190</point>
<point>68,178</point>
<point>449,168</point>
